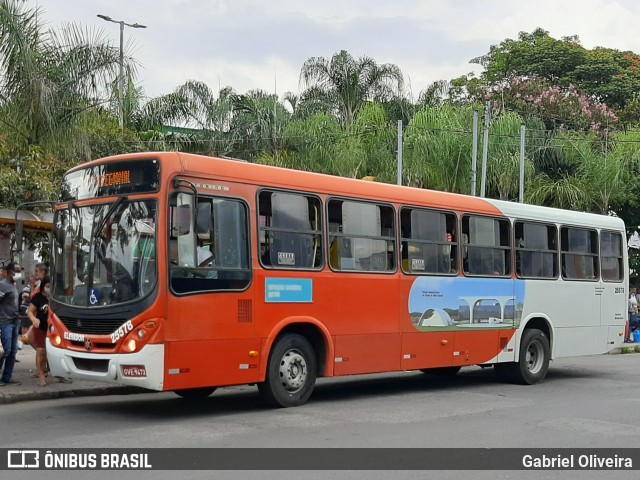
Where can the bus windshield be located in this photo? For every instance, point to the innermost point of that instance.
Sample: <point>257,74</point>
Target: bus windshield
<point>105,254</point>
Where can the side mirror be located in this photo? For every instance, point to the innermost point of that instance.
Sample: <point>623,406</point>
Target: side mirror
<point>181,221</point>
<point>203,219</point>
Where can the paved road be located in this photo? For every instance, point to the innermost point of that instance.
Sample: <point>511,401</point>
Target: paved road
<point>584,403</point>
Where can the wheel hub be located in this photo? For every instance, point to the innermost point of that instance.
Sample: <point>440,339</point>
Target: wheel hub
<point>293,371</point>
<point>534,357</point>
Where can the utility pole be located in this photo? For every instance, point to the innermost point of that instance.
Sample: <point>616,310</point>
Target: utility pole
<point>121,75</point>
<point>522,140</point>
<point>400,152</point>
<point>485,149</point>
<point>474,154</point>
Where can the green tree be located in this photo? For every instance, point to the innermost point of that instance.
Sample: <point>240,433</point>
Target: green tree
<point>604,74</point>
<point>565,108</point>
<point>203,120</point>
<point>535,53</point>
<point>611,75</point>
<point>438,149</point>
<point>348,82</point>
<point>48,78</point>
<point>597,175</point>
<point>31,176</point>
<point>503,165</point>
<point>311,143</point>
<point>257,125</point>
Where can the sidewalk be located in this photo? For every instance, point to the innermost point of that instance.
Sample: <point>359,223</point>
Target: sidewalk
<point>30,389</point>
<point>631,346</point>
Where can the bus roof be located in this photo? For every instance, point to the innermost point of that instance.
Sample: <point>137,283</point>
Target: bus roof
<point>231,170</point>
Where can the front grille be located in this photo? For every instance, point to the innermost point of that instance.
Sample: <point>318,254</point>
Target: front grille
<point>92,326</point>
<point>95,345</point>
<point>91,365</point>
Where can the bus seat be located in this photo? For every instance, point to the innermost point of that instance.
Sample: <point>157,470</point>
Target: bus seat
<point>406,265</point>
<point>334,254</point>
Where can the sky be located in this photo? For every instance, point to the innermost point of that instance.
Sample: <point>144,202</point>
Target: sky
<point>262,44</point>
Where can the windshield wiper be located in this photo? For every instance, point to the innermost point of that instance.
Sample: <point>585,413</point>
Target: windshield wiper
<point>112,209</point>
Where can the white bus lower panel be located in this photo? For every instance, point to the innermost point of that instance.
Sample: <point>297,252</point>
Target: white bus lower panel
<point>140,369</point>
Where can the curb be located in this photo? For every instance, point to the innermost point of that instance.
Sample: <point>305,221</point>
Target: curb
<point>618,350</point>
<point>6,398</point>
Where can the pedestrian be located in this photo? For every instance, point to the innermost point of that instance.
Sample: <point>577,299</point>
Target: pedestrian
<point>633,313</point>
<point>9,323</point>
<point>38,313</point>
<point>41,271</point>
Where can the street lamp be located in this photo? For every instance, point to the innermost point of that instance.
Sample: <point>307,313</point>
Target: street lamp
<point>121,76</point>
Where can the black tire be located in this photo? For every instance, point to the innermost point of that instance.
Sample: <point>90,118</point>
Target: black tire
<point>291,372</point>
<point>533,362</point>
<point>195,393</point>
<point>441,370</point>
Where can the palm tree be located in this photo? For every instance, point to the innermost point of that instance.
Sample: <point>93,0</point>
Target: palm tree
<point>348,82</point>
<point>48,79</point>
<point>435,94</point>
<point>438,149</point>
<point>311,142</point>
<point>192,107</point>
<point>257,124</point>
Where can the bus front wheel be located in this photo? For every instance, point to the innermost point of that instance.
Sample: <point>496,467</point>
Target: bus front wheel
<point>533,361</point>
<point>291,372</point>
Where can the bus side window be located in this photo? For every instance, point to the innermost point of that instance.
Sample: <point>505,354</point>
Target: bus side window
<point>536,250</point>
<point>428,241</point>
<point>488,245</point>
<point>219,248</point>
<point>362,236</point>
<point>579,253</point>
<point>612,257</point>
<point>290,232</point>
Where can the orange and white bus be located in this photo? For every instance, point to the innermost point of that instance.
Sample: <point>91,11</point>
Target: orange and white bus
<point>179,272</point>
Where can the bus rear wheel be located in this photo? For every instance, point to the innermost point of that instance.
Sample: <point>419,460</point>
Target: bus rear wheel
<point>195,393</point>
<point>291,372</point>
<point>533,363</point>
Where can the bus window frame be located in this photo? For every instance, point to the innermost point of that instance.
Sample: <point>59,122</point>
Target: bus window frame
<point>331,236</point>
<point>320,232</point>
<point>454,244</point>
<point>601,257</point>
<point>465,244</point>
<point>592,254</point>
<point>170,266</point>
<point>517,249</point>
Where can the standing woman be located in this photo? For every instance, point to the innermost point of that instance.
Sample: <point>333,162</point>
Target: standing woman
<point>38,313</point>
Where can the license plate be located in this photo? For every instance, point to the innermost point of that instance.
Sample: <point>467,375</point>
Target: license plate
<point>134,371</point>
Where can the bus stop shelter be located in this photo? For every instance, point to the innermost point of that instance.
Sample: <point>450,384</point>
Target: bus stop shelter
<point>39,222</point>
